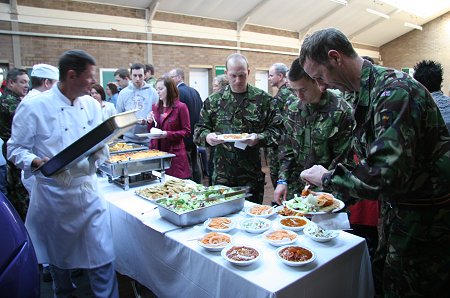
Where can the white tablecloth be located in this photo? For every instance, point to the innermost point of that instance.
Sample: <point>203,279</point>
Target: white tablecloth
<point>164,258</point>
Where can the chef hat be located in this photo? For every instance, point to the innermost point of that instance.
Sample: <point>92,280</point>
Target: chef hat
<point>45,71</point>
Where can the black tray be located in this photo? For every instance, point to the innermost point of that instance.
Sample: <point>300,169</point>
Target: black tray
<point>89,143</point>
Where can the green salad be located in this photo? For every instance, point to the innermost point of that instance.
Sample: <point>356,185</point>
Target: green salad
<point>184,202</point>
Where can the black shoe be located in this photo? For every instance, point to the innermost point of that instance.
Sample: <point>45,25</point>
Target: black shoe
<point>76,272</point>
<point>46,276</point>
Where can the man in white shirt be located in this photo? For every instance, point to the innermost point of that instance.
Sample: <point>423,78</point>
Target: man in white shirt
<point>67,219</point>
<point>43,77</point>
<point>140,96</point>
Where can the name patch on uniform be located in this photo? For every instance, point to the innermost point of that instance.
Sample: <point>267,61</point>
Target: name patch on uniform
<point>386,93</point>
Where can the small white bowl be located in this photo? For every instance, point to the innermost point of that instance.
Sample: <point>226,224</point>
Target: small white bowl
<point>256,225</point>
<point>231,226</point>
<point>284,241</point>
<point>265,215</point>
<point>215,247</point>
<point>242,262</point>
<point>318,234</point>
<point>295,263</point>
<point>283,222</point>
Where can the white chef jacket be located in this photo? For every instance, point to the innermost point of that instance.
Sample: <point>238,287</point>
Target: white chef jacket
<point>68,224</point>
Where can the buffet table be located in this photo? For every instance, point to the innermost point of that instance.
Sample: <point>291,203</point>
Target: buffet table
<point>166,258</point>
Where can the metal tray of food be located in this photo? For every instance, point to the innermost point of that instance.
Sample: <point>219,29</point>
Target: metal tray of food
<point>232,205</point>
<point>89,143</point>
<point>119,147</point>
<point>136,166</point>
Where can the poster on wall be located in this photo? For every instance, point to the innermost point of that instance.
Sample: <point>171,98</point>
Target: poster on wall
<point>219,70</point>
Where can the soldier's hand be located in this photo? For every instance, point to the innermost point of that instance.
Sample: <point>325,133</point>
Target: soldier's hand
<point>252,140</point>
<point>314,175</point>
<point>213,140</point>
<point>279,195</point>
<point>37,162</point>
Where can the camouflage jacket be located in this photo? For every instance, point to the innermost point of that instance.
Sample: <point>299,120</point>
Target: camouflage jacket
<point>152,82</point>
<point>315,134</point>
<point>400,139</point>
<point>284,97</point>
<point>8,105</point>
<point>222,113</point>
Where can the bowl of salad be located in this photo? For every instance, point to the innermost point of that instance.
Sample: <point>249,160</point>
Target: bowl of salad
<point>255,225</point>
<point>318,234</point>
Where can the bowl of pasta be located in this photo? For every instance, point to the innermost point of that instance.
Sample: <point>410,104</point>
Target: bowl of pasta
<point>263,211</point>
<point>280,237</point>
<point>219,224</point>
<point>214,241</point>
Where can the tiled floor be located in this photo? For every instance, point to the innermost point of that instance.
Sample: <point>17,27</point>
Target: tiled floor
<point>125,286</point>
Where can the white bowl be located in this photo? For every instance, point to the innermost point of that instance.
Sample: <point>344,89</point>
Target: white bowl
<point>265,215</point>
<point>256,225</point>
<point>215,247</point>
<point>295,263</point>
<point>241,262</point>
<point>231,226</point>
<point>284,241</point>
<point>318,234</point>
<point>293,220</point>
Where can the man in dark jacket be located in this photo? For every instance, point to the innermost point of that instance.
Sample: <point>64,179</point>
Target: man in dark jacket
<point>192,99</point>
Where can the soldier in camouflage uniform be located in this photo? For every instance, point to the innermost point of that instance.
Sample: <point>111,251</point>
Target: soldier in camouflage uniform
<point>239,108</point>
<point>277,78</point>
<point>150,75</point>
<point>17,87</point>
<point>318,130</point>
<point>403,148</point>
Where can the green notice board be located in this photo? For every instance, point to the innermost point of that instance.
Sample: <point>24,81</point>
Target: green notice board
<point>106,76</point>
<point>220,70</point>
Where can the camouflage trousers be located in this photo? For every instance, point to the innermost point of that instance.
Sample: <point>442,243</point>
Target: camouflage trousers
<point>412,258</point>
<point>254,180</point>
<point>17,193</point>
<point>274,164</point>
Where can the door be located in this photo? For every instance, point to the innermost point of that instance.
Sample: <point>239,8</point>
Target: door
<point>262,80</point>
<point>198,79</point>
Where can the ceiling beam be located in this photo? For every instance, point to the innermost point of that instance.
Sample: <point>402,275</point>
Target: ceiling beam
<point>374,23</point>
<point>303,31</point>
<point>150,11</point>
<point>244,20</point>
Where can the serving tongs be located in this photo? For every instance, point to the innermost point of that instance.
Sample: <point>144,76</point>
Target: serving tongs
<point>234,191</point>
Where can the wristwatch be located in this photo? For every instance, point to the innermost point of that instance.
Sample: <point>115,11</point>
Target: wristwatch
<point>326,180</point>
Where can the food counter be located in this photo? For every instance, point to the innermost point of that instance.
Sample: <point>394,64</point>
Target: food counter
<point>167,259</point>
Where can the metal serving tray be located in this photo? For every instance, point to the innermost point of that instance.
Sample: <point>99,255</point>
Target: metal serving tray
<point>89,143</point>
<point>200,215</point>
<point>137,166</point>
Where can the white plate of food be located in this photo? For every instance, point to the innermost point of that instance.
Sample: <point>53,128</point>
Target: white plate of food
<point>241,255</point>
<point>315,203</point>
<point>295,255</point>
<point>234,137</point>
<point>219,224</point>
<point>293,223</point>
<point>280,237</point>
<point>215,241</point>
<point>260,211</point>
<point>255,225</point>
<point>318,234</point>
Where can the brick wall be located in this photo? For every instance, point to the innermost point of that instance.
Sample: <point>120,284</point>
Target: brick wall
<point>433,43</point>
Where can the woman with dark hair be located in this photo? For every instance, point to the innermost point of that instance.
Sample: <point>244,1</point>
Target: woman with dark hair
<point>113,92</point>
<point>108,108</point>
<point>172,117</point>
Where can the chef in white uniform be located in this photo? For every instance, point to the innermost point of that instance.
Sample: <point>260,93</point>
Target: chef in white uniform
<point>67,218</point>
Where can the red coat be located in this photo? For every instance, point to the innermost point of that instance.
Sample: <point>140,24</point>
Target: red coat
<point>177,126</point>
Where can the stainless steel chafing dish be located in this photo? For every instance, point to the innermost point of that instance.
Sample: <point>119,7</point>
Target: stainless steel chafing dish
<point>130,147</point>
<point>136,171</point>
<point>234,204</point>
<point>89,143</point>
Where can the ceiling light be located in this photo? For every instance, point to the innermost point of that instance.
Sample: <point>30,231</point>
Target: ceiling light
<point>375,12</point>
<point>413,26</point>
<point>343,2</point>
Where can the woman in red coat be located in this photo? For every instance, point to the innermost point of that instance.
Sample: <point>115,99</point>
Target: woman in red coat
<point>172,117</point>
